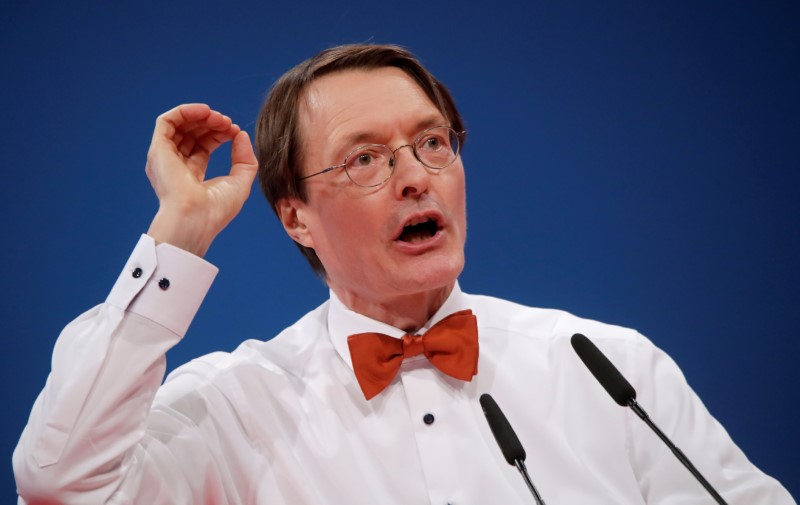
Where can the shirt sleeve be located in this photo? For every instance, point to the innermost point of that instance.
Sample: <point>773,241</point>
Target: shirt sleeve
<point>106,368</point>
<point>664,393</point>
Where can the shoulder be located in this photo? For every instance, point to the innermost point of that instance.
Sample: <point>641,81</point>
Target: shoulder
<point>282,357</point>
<point>537,323</point>
<point>535,330</point>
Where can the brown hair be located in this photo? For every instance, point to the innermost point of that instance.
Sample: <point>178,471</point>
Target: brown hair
<point>278,142</point>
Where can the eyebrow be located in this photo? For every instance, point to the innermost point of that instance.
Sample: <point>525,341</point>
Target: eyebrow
<point>364,137</point>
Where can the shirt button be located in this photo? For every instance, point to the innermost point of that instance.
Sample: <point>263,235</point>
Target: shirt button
<point>428,419</point>
<point>163,284</point>
<point>137,272</point>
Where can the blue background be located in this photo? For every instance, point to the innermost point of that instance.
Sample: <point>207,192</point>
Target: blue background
<point>626,161</point>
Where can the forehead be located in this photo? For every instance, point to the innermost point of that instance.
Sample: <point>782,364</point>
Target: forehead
<point>363,102</point>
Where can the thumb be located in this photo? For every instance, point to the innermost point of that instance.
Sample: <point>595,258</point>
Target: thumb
<point>243,161</point>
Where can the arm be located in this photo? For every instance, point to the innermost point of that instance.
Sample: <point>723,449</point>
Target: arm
<point>86,433</point>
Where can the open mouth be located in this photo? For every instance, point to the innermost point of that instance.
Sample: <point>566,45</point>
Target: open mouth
<point>419,230</point>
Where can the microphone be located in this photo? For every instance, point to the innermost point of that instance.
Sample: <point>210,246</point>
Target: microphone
<point>623,393</point>
<point>508,441</point>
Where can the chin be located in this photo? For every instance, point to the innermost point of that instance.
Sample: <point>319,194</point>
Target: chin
<point>431,275</point>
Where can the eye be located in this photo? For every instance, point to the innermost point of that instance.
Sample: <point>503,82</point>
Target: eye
<point>368,157</point>
<point>434,140</point>
<point>363,159</point>
<point>368,165</point>
<point>433,143</point>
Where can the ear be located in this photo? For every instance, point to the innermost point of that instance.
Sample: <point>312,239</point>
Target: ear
<point>291,212</point>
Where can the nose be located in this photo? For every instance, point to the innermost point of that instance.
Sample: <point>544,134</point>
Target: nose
<point>411,177</point>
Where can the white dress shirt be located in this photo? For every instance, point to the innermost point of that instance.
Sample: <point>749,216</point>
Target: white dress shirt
<point>284,421</point>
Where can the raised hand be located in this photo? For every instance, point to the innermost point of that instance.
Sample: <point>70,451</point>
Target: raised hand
<point>193,210</point>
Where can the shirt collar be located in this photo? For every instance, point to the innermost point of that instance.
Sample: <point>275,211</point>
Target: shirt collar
<point>343,322</point>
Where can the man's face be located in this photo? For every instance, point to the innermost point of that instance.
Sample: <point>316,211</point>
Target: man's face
<point>358,233</point>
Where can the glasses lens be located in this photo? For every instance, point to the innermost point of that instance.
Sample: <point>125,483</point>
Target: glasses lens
<point>437,147</point>
<point>369,165</point>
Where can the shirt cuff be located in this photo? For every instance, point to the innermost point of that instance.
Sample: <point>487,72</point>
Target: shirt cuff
<point>163,283</point>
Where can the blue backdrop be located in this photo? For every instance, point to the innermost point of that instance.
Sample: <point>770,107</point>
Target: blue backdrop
<point>627,161</point>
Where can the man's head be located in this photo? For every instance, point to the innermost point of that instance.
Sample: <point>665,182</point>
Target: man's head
<point>404,235</point>
<point>279,142</point>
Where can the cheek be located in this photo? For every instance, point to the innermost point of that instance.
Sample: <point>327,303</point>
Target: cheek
<point>348,230</point>
<point>458,201</point>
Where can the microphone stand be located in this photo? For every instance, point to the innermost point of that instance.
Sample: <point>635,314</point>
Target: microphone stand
<point>520,464</point>
<point>634,405</point>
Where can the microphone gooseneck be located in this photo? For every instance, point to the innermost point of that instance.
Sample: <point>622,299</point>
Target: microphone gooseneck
<point>508,441</point>
<point>623,393</point>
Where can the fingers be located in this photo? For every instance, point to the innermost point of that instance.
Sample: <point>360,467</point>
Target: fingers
<point>214,122</point>
<point>168,123</point>
<point>203,139</point>
<point>186,136</point>
<point>191,120</point>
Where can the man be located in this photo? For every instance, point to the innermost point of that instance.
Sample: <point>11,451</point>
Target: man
<point>359,156</point>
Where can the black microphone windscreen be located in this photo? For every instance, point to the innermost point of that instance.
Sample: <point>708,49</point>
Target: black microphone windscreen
<point>603,370</point>
<point>501,429</point>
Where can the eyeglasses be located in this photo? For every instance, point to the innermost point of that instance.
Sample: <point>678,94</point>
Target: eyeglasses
<point>371,165</point>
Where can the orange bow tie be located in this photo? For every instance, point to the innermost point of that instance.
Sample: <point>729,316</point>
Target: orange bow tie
<point>451,345</point>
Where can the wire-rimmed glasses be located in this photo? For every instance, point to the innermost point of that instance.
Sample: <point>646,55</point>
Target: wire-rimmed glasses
<point>371,165</point>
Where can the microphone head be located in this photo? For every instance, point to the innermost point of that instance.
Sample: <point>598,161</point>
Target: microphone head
<point>603,370</point>
<point>501,429</point>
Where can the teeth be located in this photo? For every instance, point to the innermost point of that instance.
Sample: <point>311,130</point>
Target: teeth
<point>417,220</point>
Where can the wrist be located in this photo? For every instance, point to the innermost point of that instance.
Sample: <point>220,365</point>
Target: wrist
<point>189,233</point>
